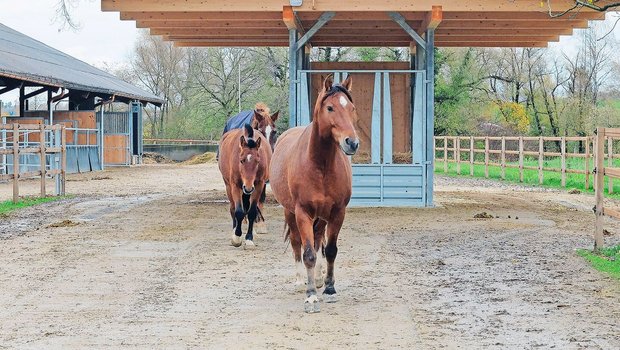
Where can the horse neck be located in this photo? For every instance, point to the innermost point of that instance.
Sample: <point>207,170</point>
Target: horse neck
<point>321,147</point>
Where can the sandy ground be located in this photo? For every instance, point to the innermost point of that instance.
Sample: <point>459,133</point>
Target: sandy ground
<point>149,265</point>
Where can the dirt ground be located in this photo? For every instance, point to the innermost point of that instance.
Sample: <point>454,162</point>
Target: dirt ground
<point>141,259</point>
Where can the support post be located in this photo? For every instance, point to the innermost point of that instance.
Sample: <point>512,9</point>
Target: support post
<point>587,163</point>
<point>486,157</point>
<point>503,164</point>
<point>563,156</point>
<point>445,154</point>
<point>42,158</point>
<point>610,163</point>
<point>292,72</point>
<point>63,160</point>
<point>541,151</point>
<point>472,155</point>
<point>521,158</point>
<point>387,120</point>
<point>15,163</point>
<point>598,190</point>
<point>430,112</point>
<point>457,145</point>
<point>375,124</point>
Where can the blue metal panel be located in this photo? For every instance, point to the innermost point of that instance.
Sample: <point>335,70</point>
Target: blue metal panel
<point>93,156</point>
<point>83,159</point>
<point>336,77</point>
<point>375,127</point>
<point>304,103</point>
<point>366,169</point>
<point>417,146</point>
<point>72,160</point>
<point>396,181</point>
<point>292,73</point>
<point>387,120</point>
<point>403,169</point>
<point>402,192</point>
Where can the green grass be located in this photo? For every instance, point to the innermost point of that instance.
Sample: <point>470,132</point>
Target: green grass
<point>607,260</point>
<point>530,177</point>
<point>8,206</point>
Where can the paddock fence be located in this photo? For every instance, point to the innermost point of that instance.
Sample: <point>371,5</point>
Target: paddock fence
<point>564,155</point>
<point>604,137</point>
<point>22,144</point>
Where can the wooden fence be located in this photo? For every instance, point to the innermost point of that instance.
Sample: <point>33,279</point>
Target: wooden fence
<point>19,133</point>
<point>180,141</point>
<point>601,171</point>
<point>469,147</point>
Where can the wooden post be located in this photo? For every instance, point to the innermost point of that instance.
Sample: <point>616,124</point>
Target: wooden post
<point>598,190</point>
<point>445,154</point>
<point>42,158</point>
<point>610,163</point>
<point>587,162</point>
<point>457,141</point>
<point>541,150</point>
<point>521,158</point>
<point>15,162</point>
<point>563,156</point>
<point>471,156</point>
<point>486,157</point>
<point>503,164</point>
<point>63,171</point>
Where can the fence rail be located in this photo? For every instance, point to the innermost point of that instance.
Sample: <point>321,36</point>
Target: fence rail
<point>180,141</point>
<point>16,143</point>
<point>495,151</point>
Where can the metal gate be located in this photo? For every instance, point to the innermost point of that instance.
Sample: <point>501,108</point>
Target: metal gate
<point>382,183</point>
<point>117,136</point>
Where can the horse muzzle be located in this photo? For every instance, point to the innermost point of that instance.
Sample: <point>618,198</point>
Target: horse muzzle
<point>246,191</point>
<point>350,145</point>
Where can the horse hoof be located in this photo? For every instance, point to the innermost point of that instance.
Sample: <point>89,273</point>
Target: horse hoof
<point>235,240</point>
<point>261,228</point>
<point>312,305</point>
<point>330,298</point>
<point>249,245</point>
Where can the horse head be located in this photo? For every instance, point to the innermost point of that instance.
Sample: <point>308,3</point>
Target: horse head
<point>249,158</point>
<point>336,115</point>
<point>266,123</point>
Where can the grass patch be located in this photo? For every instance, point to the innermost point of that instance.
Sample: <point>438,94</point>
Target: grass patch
<point>8,206</point>
<point>530,177</point>
<point>607,260</point>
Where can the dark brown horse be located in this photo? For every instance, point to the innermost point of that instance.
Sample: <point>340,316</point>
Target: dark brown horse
<point>244,165</point>
<point>311,179</point>
<point>265,123</point>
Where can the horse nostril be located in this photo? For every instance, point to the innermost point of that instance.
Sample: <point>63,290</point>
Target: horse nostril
<point>354,144</point>
<point>246,191</point>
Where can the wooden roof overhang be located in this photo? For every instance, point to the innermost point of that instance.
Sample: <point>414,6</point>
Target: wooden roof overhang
<point>360,23</point>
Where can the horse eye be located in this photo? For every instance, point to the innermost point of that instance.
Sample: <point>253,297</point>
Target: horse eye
<point>330,108</point>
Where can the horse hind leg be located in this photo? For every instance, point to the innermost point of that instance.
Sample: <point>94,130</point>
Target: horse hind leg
<point>261,226</point>
<point>331,250</point>
<point>305,226</point>
<point>295,239</point>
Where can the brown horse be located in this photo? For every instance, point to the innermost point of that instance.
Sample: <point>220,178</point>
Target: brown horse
<point>311,179</point>
<point>265,123</point>
<point>244,165</point>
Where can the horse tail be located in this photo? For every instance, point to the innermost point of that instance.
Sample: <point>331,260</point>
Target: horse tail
<point>287,232</point>
<point>314,229</point>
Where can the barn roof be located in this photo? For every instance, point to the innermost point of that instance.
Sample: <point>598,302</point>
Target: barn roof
<point>23,58</point>
<point>471,23</point>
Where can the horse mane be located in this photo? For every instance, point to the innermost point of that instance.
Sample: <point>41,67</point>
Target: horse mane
<point>261,108</point>
<point>336,88</point>
<point>249,131</point>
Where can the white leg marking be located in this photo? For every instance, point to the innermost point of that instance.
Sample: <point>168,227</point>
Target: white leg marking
<point>248,245</point>
<point>235,241</point>
<point>300,276</point>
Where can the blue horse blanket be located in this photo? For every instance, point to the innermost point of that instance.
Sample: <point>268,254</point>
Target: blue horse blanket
<point>239,120</point>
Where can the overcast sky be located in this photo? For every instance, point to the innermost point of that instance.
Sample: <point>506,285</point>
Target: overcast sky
<point>103,37</point>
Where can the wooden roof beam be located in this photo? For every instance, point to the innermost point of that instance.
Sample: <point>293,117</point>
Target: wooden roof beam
<point>360,44</point>
<point>401,21</point>
<point>432,20</point>
<point>322,6</point>
<point>386,38</point>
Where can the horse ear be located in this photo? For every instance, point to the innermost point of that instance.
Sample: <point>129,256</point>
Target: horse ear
<point>328,82</point>
<point>258,140</point>
<point>274,116</point>
<point>243,143</point>
<point>347,83</point>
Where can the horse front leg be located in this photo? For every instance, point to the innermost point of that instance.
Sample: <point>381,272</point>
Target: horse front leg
<point>331,250</point>
<point>319,237</point>
<point>305,226</point>
<point>239,214</point>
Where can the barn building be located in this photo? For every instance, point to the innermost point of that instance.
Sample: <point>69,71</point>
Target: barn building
<point>395,100</point>
<point>55,88</point>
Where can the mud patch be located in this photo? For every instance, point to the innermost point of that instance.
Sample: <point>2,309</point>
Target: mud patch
<point>63,223</point>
